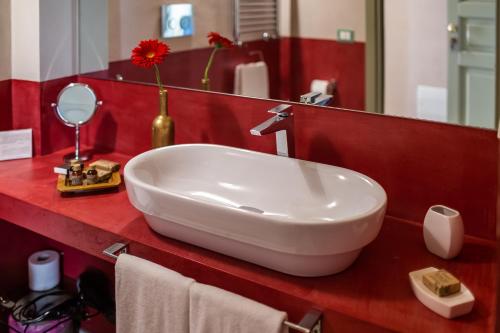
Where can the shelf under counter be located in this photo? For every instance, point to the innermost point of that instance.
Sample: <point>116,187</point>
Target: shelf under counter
<point>372,295</point>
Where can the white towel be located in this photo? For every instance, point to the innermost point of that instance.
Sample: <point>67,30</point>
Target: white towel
<point>252,80</point>
<point>150,298</point>
<point>213,310</point>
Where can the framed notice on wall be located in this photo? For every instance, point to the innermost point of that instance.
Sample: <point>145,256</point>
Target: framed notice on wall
<point>16,144</point>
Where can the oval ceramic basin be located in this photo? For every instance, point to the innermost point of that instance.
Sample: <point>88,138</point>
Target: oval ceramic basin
<point>293,216</point>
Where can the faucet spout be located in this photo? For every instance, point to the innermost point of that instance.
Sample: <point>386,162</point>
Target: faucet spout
<point>282,125</point>
<point>272,125</point>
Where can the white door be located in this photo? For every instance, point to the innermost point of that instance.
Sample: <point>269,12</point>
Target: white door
<point>471,73</point>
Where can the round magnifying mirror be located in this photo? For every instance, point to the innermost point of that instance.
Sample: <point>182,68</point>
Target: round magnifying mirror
<point>76,105</point>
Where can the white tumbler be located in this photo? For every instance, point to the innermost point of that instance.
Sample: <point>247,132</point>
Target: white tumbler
<point>443,231</point>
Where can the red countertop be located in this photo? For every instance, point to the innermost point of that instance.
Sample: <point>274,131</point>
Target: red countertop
<point>373,295</point>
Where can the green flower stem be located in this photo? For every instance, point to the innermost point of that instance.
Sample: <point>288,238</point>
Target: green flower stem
<point>158,78</point>
<point>210,61</point>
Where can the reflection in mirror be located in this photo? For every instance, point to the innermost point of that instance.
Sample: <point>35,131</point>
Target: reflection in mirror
<point>305,49</point>
<point>438,60</point>
<point>76,105</point>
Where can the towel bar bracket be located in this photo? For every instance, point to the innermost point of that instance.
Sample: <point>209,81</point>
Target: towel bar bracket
<point>115,250</point>
<point>310,323</point>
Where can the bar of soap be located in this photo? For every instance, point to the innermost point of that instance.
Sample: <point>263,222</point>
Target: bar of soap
<point>103,175</point>
<point>441,283</point>
<point>106,165</point>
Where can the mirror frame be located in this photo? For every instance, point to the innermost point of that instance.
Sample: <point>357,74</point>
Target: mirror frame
<point>58,111</point>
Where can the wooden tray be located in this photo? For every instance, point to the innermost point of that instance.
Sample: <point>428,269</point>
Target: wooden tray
<point>114,181</point>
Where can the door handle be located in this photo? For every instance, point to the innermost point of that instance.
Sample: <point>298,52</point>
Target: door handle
<point>452,28</point>
<point>454,41</point>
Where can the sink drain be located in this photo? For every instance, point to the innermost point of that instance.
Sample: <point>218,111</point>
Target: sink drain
<point>251,209</point>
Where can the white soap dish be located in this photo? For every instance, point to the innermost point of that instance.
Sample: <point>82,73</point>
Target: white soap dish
<point>449,307</point>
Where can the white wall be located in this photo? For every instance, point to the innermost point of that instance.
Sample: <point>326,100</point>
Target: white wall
<point>416,52</point>
<point>25,34</point>
<point>43,39</point>
<point>321,18</point>
<point>93,30</point>
<point>131,21</point>
<point>57,39</point>
<point>5,71</point>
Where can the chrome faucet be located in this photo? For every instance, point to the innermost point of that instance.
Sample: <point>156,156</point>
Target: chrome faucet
<point>316,98</point>
<point>282,125</point>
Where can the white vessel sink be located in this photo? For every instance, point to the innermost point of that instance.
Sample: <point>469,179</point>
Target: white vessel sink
<point>293,216</point>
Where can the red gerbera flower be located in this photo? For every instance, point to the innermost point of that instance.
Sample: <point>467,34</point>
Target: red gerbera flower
<point>220,42</point>
<point>149,52</point>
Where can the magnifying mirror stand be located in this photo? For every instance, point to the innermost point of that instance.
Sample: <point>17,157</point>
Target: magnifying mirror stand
<point>77,155</point>
<point>77,142</point>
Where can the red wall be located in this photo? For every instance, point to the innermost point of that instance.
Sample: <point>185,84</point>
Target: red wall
<point>56,134</point>
<point>5,105</point>
<point>419,163</point>
<point>31,108</point>
<point>26,110</point>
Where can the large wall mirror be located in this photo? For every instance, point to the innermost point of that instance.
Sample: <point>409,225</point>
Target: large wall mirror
<point>427,59</point>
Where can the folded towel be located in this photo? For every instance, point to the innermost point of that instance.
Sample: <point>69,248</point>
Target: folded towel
<point>252,80</point>
<point>150,298</point>
<point>213,310</point>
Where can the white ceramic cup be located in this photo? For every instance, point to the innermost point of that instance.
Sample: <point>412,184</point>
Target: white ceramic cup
<point>443,231</point>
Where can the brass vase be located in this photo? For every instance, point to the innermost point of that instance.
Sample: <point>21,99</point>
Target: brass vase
<point>205,84</point>
<point>163,125</point>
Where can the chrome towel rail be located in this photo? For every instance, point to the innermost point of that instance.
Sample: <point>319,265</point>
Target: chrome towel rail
<point>255,19</point>
<point>310,323</point>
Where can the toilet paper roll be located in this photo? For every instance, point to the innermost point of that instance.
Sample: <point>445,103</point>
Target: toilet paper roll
<point>320,86</point>
<point>44,270</point>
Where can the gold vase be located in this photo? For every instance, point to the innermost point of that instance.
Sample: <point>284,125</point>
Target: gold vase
<point>163,125</point>
<point>205,84</point>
